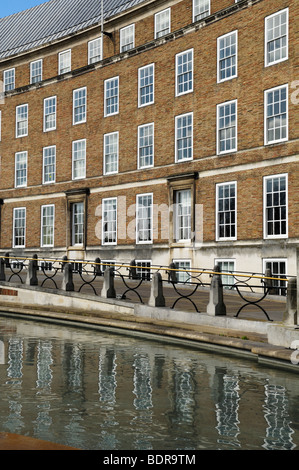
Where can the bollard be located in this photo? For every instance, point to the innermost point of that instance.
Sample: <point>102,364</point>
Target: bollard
<point>172,275</point>
<point>290,316</point>
<point>31,279</point>
<point>216,306</point>
<point>156,296</point>
<point>133,271</point>
<point>108,291</point>
<point>2,269</point>
<point>98,267</point>
<point>67,282</point>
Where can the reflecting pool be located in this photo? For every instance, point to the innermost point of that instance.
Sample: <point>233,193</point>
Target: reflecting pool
<point>98,390</point>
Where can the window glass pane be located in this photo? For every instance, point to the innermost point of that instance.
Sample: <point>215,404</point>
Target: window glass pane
<point>19,227</point>
<point>111,96</point>
<point>50,113</point>
<point>49,164</point>
<point>227,127</point>
<point>22,120</point>
<point>77,223</point>
<point>94,51</point>
<point>162,23</point>
<point>226,210</point>
<point>146,85</point>
<point>201,9</point>
<point>183,215</point>
<point>227,56</point>
<point>79,104</point>
<point>146,145</point>
<point>111,153</point>
<point>79,159</point>
<point>109,219</point>
<point>276,206</point>
<point>184,72</point>
<point>276,37</point>
<point>276,115</point>
<point>144,218</point>
<point>48,225</point>
<point>184,144</point>
<point>127,38</point>
<point>21,169</point>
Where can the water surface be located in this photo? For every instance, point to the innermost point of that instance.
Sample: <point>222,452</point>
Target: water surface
<point>104,391</point>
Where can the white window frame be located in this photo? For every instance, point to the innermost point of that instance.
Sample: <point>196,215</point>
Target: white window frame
<point>33,79</point>
<point>166,11</point>
<point>14,227</point>
<point>68,65</point>
<point>9,85</point>
<point>125,35</point>
<point>265,206</point>
<point>80,102</point>
<point>203,12</point>
<point>219,58</point>
<point>180,216</point>
<point>45,156</point>
<point>20,120</point>
<point>233,149</point>
<point>277,284</point>
<point>225,278</point>
<point>143,85</point>
<point>108,201</point>
<point>266,93</point>
<point>73,231</point>
<point>182,275</point>
<point>140,241</point>
<point>177,138</point>
<point>74,159</point>
<point>106,143</point>
<point>269,18</point>
<point>17,154</point>
<point>54,98</point>
<point>115,96</point>
<point>147,137</point>
<point>43,207</point>
<point>143,269</point>
<point>184,72</point>
<point>95,50</point>
<point>218,237</point>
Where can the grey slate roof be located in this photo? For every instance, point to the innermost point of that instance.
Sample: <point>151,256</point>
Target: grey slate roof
<point>53,20</point>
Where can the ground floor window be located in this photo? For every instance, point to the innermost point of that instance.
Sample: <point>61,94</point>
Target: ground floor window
<point>143,269</point>
<point>226,265</point>
<point>19,227</point>
<point>278,268</point>
<point>47,225</point>
<point>77,223</point>
<point>183,265</point>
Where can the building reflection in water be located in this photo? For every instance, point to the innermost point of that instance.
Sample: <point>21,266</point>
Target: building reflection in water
<point>101,392</point>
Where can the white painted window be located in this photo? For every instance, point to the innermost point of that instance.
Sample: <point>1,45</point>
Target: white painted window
<point>184,137</point>
<point>184,72</point>
<point>278,268</point>
<point>50,114</point>
<point>79,105</point>
<point>111,153</point>
<point>226,211</point>
<point>64,62</point>
<point>77,213</point>
<point>227,127</point>
<point>146,81</point>
<point>183,273</point>
<point>20,169</point>
<point>22,120</point>
<point>143,269</point>
<point>162,23</point>
<point>276,206</point>
<point>229,266</point>
<point>276,37</point>
<point>111,94</point>
<point>79,159</point>
<point>146,145</point>
<point>201,9</point>
<point>109,221</point>
<point>47,225</point>
<point>49,164</point>
<point>276,115</point>
<point>95,50</point>
<point>227,56</point>
<point>19,227</point>
<point>127,38</point>
<point>36,71</point>
<point>144,218</point>
<point>9,79</point>
<point>182,220</point>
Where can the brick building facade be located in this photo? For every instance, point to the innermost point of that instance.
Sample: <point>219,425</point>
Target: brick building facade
<point>171,136</point>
